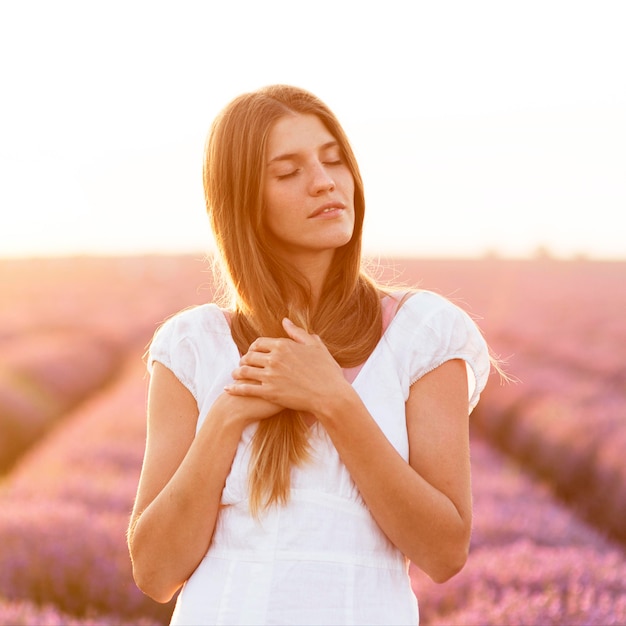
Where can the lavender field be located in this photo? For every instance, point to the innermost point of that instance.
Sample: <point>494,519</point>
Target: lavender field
<point>549,468</point>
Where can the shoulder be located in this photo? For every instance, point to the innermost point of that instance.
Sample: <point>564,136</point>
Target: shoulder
<point>194,319</point>
<point>430,329</point>
<point>181,342</point>
<point>190,325</point>
<point>427,301</point>
<point>422,310</point>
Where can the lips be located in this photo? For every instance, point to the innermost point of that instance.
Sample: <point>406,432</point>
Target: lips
<point>327,208</point>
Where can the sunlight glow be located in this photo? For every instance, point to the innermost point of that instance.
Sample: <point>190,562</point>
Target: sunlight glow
<point>480,128</point>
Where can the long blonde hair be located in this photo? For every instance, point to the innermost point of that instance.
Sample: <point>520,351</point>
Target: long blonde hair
<point>264,289</point>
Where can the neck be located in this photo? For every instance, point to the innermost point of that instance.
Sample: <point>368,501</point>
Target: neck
<point>314,268</point>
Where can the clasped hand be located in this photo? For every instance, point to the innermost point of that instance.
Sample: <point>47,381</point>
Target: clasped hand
<point>297,372</point>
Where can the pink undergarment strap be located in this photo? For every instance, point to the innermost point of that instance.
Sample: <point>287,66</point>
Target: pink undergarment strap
<point>390,306</point>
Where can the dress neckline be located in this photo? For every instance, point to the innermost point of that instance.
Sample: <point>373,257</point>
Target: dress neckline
<point>390,312</point>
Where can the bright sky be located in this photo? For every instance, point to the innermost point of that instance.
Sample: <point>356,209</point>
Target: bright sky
<point>479,126</point>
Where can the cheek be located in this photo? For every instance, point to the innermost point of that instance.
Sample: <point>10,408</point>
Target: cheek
<point>347,183</point>
<point>282,203</point>
<point>271,207</point>
<point>277,213</point>
<point>276,199</point>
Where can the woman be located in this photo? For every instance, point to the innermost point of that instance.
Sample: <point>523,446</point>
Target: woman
<point>309,439</point>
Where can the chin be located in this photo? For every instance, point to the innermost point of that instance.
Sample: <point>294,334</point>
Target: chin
<point>340,239</point>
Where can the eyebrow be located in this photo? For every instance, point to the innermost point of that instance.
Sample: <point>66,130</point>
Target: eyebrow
<point>290,156</point>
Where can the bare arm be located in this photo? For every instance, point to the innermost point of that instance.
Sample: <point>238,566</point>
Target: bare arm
<point>181,482</point>
<point>423,506</point>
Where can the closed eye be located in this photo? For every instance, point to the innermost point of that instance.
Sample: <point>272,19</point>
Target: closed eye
<point>288,174</point>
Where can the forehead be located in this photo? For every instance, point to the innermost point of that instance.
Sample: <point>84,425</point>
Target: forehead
<point>297,134</point>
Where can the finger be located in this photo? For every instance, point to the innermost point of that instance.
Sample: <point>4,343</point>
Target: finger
<point>296,333</point>
<point>247,381</point>
<point>248,373</point>
<point>262,344</point>
<point>254,359</point>
<point>243,389</point>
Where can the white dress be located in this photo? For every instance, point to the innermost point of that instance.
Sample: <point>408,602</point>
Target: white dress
<point>321,559</point>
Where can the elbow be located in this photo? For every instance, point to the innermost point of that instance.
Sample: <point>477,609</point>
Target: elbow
<point>149,576</point>
<point>149,584</point>
<point>448,559</point>
<point>149,573</point>
<point>443,571</point>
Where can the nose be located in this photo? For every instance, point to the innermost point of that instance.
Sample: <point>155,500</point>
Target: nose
<point>321,180</point>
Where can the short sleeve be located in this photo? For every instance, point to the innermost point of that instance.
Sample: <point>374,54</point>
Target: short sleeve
<point>442,331</point>
<point>173,346</point>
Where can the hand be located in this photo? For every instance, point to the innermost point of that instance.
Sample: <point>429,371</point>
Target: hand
<point>296,372</point>
<point>246,408</point>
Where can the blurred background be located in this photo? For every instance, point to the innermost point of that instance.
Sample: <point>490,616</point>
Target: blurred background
<point>492,140</point>
<point>483,127</point>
